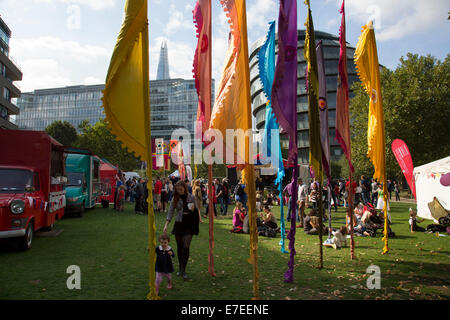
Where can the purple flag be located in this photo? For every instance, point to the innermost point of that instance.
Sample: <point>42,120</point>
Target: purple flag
<point>284,104</point>
<point>323,110</point>
<point>284,90</point>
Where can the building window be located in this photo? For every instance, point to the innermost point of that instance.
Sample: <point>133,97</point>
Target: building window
<point>6,94</point>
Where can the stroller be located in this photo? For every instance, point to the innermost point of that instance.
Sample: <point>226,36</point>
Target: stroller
<point>439,213</point>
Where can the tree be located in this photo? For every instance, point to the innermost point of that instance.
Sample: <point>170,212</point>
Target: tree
<point>63,131</point>
<point>416,99</point>
<point>99,139</point>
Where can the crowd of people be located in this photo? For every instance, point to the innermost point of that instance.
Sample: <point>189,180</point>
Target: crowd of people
<point>187,202</point>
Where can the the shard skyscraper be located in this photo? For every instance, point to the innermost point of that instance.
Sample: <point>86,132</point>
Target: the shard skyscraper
<point>163,64</point>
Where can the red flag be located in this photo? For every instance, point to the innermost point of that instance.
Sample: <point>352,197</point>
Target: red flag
<point>202,64</point>
<point>403,156</point>
<point>342,100</point>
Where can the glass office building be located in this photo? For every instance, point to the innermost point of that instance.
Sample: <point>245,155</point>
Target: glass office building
<point>9,72</point>
<point>331,55</point>
<point>74,104</point>
<point>173,104</point>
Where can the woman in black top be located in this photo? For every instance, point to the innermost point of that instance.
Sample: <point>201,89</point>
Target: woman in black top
<point>186,223</point>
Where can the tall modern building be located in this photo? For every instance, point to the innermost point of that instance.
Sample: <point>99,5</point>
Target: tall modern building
<point>9,72</point>
<point>163,64</point>
<point>331,56</point>
<point>173,104</point>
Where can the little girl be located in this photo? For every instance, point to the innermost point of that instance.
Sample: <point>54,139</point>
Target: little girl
<point>413,221</point>
<point>238,218</point>
<point>164,265</point>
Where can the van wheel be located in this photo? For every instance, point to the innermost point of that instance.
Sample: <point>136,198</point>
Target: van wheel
<point>27,239</point>
<point>82,209</point>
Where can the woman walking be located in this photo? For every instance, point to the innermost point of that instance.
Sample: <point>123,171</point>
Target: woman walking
<point>183,207</point>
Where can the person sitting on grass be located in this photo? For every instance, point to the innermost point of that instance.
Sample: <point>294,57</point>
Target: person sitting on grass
<point>315,226</point>
<point>269,220</point>
<point>238,218</point>
<point>339,239</point>
<point>413,221</point>
<point>307,221</point>
<point>164,265</point>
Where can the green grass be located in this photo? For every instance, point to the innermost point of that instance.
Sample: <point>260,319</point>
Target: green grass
<point>111,250</point>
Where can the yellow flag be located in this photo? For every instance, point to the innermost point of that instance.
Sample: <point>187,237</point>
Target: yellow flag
<point>127,106</point>
<point>366,60</point>
<point>232,110</point>
<point>123,97</point>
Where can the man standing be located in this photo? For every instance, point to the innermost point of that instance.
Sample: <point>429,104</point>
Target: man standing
<point>139,196</point>
<point>157,190</point>
<point>374,192</point>
<point>225,196</point>
<point>365,192</point>
<point>302,200</point>
<point>219,195</point>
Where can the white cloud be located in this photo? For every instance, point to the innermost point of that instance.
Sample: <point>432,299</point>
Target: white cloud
<point>43,73</point>
<point>260,12</point>
<point>177,21</point>
<point>398,19</point>
<point>52,62</point>
<point>92,80</point>
<point>93,4</point>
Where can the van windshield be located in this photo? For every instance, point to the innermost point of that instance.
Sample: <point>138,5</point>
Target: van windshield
<point>16,180</point>
<point>74,179</point>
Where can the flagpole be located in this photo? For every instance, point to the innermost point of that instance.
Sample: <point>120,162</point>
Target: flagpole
<point>350,212</point>
<point>152,295</point>
<point>210,171</point>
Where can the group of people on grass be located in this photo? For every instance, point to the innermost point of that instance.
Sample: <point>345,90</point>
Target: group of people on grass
<point>189,203</point>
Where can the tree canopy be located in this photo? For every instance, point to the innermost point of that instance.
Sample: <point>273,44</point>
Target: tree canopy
<point>416,101</point>
<point>99,139</point>
<point>63,131</point>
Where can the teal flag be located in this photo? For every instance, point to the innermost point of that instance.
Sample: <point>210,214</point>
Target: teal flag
<point>271,137</point>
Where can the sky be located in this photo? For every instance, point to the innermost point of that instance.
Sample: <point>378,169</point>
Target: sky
<point>59,43</point>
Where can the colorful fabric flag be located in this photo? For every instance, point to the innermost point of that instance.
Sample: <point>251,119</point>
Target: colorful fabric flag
<point>232,110</point>
<point>284,102</point>
<point>266,65</point>
<point>126,102</point>
<point>343,116</point>
<point>342,99</point>
<point>324,133</point>
<point>315,144</point>
<point>202,64</point>
<point>323,111</point>
<point>366,60</point>
<point>284,92</point>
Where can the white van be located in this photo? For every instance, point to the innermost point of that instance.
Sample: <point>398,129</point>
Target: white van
<point>130,174</point>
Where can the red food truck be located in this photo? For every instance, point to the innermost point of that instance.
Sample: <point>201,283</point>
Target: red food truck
<point>32,174</point>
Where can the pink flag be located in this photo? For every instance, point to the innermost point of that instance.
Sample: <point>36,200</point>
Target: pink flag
<point>202,64</point>
<point>403,156</point>
<point>342,110</point>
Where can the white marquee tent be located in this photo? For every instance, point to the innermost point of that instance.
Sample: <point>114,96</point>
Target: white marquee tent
<point>428,185</point>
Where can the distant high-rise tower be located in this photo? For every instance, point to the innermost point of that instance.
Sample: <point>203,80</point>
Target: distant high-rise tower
<point>163,65</point>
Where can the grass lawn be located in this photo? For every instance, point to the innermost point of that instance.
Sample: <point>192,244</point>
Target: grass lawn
<point>111,250</point>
